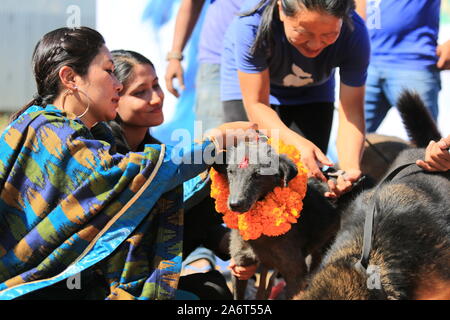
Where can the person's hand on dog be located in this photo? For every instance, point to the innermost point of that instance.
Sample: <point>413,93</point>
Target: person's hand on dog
<point>312,158</point>
<point>443,52</point>
<point>231,133</point>
<point>174,70</point>
<point>343,183</point>
<point>437,156</point>
<point>241,272</point>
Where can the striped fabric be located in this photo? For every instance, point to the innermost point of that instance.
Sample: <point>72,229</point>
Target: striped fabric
<point>67,206</point>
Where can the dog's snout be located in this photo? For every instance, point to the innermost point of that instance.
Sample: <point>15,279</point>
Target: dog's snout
<point>238,206</point>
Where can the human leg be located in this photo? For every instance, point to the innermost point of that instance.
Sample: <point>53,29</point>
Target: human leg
<point>234,111</point>
<point>208,107</point>
<point>376,105</point>
<point>427,83</point>
<point>206,286</point>
<point>199,260</point>
<point>312,121</point>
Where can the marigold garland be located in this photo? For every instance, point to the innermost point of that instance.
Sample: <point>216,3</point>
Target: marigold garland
<point>271,216</point>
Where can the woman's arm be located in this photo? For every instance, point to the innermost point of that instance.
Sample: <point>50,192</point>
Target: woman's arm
<point>185,22</point>
<point>350,138</point>
<point>196,158</point>
<point>255,89</point>
<point>351,131</point>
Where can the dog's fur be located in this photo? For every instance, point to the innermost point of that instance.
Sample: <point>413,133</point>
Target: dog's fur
<point>317,225</point>
<point>411,241</point>
<point>380,151</point>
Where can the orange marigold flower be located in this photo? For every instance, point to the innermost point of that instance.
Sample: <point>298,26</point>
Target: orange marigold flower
<point>271,216</point>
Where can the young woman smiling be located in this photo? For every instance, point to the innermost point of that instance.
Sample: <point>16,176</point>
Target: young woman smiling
<point>140,108</point>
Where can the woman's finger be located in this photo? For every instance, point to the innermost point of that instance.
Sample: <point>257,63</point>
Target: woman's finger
<point>332,189</point>
<point>314,170</point>
<point>323,159</point>
<point>424,165</point>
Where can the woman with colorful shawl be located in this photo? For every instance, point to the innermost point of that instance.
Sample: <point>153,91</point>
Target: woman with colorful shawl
<point>71,213</point>
<point>141,108</point>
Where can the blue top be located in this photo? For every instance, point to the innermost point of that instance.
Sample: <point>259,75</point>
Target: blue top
<point>294,79</point>
<point>218,17</point>
<point>404,33</point>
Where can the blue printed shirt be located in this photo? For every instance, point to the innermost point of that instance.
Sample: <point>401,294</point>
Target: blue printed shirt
<point>294,78</point>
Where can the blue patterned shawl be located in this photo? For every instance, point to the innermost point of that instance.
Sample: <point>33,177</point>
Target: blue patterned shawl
<point>67,206</point>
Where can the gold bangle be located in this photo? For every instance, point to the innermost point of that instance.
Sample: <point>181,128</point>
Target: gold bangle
<point>174,56</point>
<point>213,139</point>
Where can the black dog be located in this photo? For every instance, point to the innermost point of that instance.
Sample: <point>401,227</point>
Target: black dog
<point>316,227</point>
<point>410,255</point>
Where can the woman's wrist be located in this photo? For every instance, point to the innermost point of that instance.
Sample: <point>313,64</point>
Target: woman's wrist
<point>174,55</point>
<point>217,144</point>
<point>216,137</point>
<point>231,133</point>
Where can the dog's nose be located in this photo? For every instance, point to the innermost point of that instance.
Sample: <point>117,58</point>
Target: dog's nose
<point>238,206</point>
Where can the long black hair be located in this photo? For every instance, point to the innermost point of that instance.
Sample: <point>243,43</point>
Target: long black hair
<point>264,38</point>
<point>73,47</point>
<point>124,61</point>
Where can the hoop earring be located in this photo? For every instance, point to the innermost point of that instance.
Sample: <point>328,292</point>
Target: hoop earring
<point>89,103</point>
<point>66,93</point>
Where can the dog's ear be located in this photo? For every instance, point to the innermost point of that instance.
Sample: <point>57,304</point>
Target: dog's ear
<point>288,169</point>
<point>220,162</point>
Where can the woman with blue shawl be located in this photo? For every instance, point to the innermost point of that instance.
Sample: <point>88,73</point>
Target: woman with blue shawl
<point>72,213</point>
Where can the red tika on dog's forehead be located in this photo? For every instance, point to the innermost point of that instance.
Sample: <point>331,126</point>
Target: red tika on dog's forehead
<point>244,163</point>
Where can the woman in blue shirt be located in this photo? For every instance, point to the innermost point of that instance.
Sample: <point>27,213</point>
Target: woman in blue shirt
<point>278,63</point>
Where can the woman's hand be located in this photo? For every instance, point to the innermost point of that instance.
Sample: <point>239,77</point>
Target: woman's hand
<point>437,156</point>
<point>242,272</point>
<point>443,53</point>
<point>344,183</point>
<point>312,158</point>
<point>231,133</point>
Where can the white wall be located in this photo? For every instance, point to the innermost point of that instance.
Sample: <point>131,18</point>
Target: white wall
<point>22,24</point>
